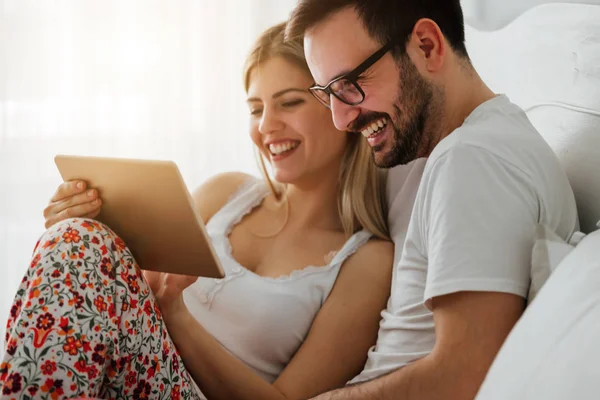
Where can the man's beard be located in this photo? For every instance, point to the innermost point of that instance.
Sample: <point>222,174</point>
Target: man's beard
<point>416,96</point>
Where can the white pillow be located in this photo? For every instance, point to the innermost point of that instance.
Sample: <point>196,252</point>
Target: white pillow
<point>549,250</point>
<point>553,351</point>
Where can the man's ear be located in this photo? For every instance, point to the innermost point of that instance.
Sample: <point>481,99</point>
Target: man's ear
<point>427,46</point>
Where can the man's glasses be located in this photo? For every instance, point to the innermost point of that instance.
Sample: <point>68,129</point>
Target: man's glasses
<point>346,88</point>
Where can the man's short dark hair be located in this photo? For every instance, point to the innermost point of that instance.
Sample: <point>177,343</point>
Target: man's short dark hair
<point>386,20</point>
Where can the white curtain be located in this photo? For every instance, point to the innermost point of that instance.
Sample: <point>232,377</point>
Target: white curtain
<point>156,79</point>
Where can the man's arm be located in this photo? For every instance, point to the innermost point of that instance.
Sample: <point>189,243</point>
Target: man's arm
<point>470,329</point>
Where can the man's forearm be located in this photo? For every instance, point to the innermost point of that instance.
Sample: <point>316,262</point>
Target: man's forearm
<point>424,379</point>
<point>386,387</point>
<point>380,389</point>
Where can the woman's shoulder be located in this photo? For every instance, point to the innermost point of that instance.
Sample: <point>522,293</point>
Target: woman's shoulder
<point>368,270</point>
<point>372,261</point>
<point>213,194</point>
<point>376,249</point>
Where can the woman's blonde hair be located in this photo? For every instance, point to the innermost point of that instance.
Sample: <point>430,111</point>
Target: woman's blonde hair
<point>362,185</point>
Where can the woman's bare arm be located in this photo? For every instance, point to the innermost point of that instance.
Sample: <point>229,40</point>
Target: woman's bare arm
<point>333,353</point>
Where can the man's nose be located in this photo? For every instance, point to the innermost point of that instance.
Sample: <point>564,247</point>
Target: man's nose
<point>343,114</point>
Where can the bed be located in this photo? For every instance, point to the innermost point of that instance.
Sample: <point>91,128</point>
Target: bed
<point>546,58</point>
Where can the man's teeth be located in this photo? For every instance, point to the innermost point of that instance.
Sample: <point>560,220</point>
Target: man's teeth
<point>374,127</point>
<point>279,148</point>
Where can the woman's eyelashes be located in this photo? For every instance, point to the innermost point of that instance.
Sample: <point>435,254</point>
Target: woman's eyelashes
<point>286,105</point>
<point>292,103</point>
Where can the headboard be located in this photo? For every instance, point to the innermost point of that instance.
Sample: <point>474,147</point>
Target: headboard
<point>547,61</point>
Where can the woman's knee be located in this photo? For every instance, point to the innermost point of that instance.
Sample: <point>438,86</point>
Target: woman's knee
<point>82,224</point>
<point>76,231</point>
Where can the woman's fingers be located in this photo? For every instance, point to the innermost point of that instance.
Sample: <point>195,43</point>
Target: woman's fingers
<point>154,280</point>
<point>56,207</point>
<point>78,206</point>
<point>68,189</point>
<point>175,284</point>
<point>167,287</point>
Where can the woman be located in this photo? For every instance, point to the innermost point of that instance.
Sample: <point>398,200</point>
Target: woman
<point>87,322</point>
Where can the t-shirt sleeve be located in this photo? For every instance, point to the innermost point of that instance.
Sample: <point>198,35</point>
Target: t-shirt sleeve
<point>477,220</point>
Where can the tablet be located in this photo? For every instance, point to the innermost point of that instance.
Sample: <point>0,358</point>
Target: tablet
<point>147,204</point>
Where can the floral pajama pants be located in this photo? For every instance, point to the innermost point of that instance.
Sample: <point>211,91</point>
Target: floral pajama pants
<point>84,323</point>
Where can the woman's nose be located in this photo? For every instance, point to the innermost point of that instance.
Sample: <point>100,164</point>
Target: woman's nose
<point>269,122</point>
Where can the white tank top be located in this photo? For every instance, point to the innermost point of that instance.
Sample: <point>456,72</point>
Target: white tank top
<point>261,320</point>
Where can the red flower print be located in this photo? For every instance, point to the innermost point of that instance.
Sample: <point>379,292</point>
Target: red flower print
<point>40,336</point>
<point>92,372</point>
<point>120,243</point>
<point>72,359</point>
<point>130,379</point>
<point>79,300</point>
<point>64,327</point>
<point>4,367</point>
<point>142,390</point>
<point>72,345</point>
<point>16,309</point>
<point>176,364</point>
<point>175,394</point>
<point>71,235</point>
<point>53,387</point>
<point>48,368</point>
<point>12,384</point>
<point>99,354</point>
<point>100,304</point>
<point>133,284</point>
<point>50,244</point>
<point>154,368</point>
<point>107,268</point>
<point>148,308</point>
<point>81,365</point>
<point>88,226</point>
<point>34,294</point>
<point>36,260</point>
<point>45,321</point>
<point>86,345</point>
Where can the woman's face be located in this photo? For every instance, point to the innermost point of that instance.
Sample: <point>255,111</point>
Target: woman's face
<point>289,126</point>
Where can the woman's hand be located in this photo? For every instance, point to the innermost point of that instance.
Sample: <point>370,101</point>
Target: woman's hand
<point>168,290</point>
<point>72,200</point>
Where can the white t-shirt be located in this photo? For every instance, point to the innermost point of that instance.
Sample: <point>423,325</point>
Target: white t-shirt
<point>483,190</point>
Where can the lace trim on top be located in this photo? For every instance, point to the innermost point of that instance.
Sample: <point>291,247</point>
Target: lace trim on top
<point>253,200</point>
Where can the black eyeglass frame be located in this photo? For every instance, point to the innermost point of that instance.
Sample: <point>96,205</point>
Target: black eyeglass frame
<point>351,77</point>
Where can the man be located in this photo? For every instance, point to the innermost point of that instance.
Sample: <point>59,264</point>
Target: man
<point>398,72</point>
